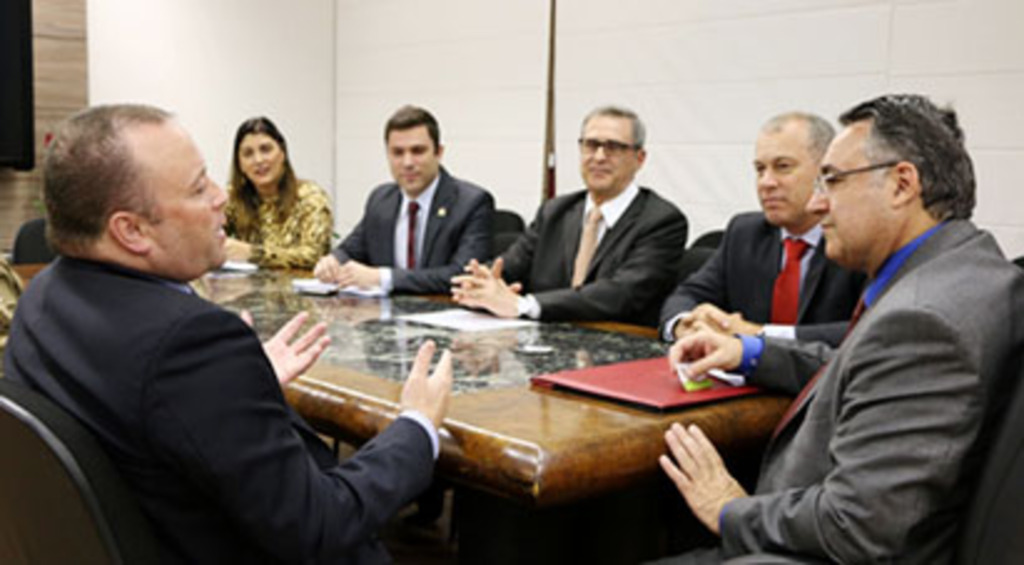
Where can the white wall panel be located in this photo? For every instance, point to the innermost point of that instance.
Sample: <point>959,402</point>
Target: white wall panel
<point>216,64</point>
<point>705,74</point>
<point>482,74</point>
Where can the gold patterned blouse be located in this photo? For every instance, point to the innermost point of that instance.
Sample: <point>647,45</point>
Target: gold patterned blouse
<point>298,242</point>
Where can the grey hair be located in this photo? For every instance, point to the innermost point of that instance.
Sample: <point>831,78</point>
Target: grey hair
<point>639,131</point>
<point>819,131</point>
<point>909,127</point>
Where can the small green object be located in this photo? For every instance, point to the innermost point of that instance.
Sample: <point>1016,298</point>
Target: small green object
<point>691,385</point>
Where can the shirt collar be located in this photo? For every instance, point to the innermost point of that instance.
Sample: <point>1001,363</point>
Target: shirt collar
<point>425,199</point>
<point>812,236</point>
<point>613,209</point>
<point>893,264</point>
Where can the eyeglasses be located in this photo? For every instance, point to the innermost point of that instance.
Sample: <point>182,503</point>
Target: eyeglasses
<point>826,183</point>
<point>611,147</point>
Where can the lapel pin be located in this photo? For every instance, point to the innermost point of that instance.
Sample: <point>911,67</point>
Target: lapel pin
<point>442,212</point>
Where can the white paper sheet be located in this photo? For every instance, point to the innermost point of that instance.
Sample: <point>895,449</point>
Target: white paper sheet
<point>466,320</point>
<point>316,287</point>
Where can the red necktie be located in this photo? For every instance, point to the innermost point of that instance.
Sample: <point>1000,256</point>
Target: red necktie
<point>786,297</point>
<point>410,257</point>
<point>800,398</point>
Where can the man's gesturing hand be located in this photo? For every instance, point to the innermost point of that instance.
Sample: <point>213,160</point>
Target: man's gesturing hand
<point>429,395</point>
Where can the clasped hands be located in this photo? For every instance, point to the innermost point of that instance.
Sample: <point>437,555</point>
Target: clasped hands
<point>712,318</point>
<point>695,467</point>
<point>352,273</point>
<point>482,287</point>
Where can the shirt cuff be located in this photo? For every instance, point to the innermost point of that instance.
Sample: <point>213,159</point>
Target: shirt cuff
<point>428,426</point>
<point>529,307</point>
<point>668,333</point>
<point>779,331</point>
<point>753,346</point>
<point>386,284</point>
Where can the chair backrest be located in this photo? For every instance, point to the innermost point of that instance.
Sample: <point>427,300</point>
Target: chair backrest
<point>61,499</point>
<point>993,531</point>
<point>506,229</point>
<point>693,259</point>
<point>30,245</point>
<point>710,239</point>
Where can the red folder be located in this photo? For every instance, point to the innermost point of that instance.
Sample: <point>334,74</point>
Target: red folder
<point>648,382</point>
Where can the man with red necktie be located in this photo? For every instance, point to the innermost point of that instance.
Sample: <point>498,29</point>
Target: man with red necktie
<point>770,275</point>
<point>879,454</point>
<point>420,230</point>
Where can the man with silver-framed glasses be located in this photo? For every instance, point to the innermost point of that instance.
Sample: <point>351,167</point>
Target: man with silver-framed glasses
<point>877,457</point>
<point>610,252</point>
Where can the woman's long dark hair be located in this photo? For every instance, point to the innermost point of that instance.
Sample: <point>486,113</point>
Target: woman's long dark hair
<point>243,194</point>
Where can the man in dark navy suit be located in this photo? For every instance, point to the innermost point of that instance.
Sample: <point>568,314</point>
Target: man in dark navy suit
<point>181,393</point>
<point>770,274</point>
<point>420,230</point>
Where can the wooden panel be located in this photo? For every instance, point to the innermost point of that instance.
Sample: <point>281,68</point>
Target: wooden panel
<point>58,18</point>
<point>60,67</point>
<point>59,50</point>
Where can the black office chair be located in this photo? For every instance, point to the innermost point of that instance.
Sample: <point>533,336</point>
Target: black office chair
<point>710,239</point>
<point>993,531</point>
<point>30,245</point>
<point>506,230</point>
<point>61,499</point>
<point>693,259</point>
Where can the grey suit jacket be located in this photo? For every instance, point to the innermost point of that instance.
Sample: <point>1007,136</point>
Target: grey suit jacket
<point>881,457</point>
<point>634,267</point>
<point>740,277</point>
<point>458,229</point>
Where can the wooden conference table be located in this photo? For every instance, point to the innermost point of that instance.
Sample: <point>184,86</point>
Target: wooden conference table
<point>540,475</point>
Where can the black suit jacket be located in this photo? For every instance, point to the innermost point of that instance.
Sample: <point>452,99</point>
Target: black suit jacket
<point>181,395</point>
<point>740,277</point>
<point>634,267</point>
<point>458,229</point>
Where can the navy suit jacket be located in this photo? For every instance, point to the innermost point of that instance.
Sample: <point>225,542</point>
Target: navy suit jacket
<point>634,267</point>
<point>458,229</point>
<point>740,277</point>
<point>182,397</point>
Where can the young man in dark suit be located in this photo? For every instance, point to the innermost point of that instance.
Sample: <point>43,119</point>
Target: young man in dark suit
<point>420,230</point>
<point>609,252</point>
<point>770,274</point>
<point>181,393</point>
<point>878,456</point>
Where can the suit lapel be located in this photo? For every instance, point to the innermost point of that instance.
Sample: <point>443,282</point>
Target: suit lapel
<point>811,279</point>
<point>769,250</point>
<point>390,209</point>
<point>612,236</point>
<point>440,208</point>
<point>572,229</point>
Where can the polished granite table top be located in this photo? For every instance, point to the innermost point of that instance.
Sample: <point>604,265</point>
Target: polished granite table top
<point>369,336</point>
<point>534,445</point>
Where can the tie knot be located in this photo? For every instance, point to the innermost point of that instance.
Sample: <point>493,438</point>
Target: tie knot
<point>594,216</point>
<point>414,207</point>
<point>795,248</point>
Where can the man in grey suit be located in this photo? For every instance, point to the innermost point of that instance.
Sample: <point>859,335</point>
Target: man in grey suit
<point>743,287</point>
<point>420,230</point>
<point>610,252</point>
<point>878,455</point>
